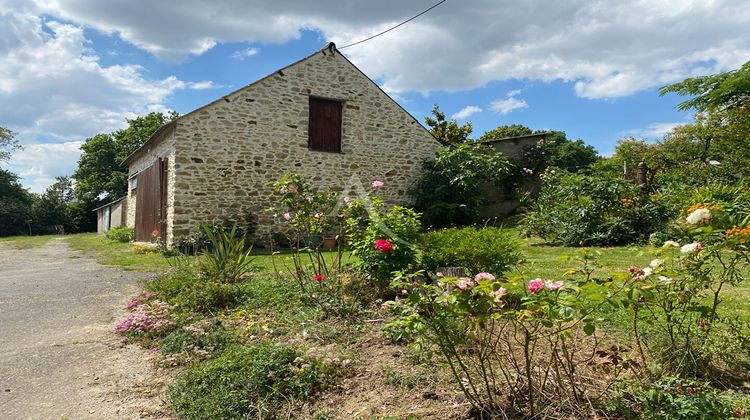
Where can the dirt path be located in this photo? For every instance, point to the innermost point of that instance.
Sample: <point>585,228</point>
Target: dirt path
<point>58,355</point>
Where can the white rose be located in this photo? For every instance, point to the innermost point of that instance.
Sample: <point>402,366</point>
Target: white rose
<point>656,263</point>
<point>692,248</point>
<point>699,217</point>
<point>647,272</point>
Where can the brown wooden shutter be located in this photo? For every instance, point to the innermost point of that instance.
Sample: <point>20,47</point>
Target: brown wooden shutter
<point>325,125</point>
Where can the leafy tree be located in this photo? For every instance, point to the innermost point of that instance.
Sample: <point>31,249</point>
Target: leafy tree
<point>100,173</point>
<point>719,91</point>
<point>448,192</point>
<point>505,131</point>
<point>556,149</point>
<point>7,143</point>
<point>51,208</point>
<point>15,205</point>
<point>100,177</point>
<point>139,130</point>
<point>447,131</point>
<point>571,155</point>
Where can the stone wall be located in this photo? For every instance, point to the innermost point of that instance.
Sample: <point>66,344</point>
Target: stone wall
<point>229,153</point>
<point>164,147</point>
<point>498,202</point>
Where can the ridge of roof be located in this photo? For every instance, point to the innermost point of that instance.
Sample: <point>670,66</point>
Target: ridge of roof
<point>543,133</point>
<point>110,203</point>
<point>330,47</point>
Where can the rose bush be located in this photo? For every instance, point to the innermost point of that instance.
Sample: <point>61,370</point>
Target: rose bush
<point>510,342</point>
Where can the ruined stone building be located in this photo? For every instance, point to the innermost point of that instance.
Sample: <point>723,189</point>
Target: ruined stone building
<point>321,117</point>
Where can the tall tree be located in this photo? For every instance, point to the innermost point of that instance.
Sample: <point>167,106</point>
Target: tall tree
<point>719,91</point>
<point>8,143</point>
<point>100,174</point>
<point>52,207</point>
<point>447,131</point>
<point>15,205</point>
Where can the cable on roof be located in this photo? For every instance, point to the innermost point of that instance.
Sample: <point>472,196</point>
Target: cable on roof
<point>394,27</point>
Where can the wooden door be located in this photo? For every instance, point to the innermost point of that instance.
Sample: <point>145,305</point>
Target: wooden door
<point>151,203</point>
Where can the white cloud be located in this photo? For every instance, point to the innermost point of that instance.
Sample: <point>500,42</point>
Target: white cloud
<point>243,54</point>
<point>606,48</point>
<point>508,104</point>
<point>655,130</point>
<point>202,85</point>
<point>466,112</point>
<point>39,164</point>
<point>54,89</point>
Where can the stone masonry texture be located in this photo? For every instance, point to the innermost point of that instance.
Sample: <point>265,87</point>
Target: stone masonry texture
<point>224,157</point>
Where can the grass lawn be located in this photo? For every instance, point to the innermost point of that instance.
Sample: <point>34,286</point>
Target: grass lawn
<point>109,252</point>
<point>541,260</point>
<point>27,242</point>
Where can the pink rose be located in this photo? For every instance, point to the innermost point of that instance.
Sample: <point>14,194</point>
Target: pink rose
<point>535,285</point>
<point>287,216</point>
<point>292,188</point>
<point>377,184</point>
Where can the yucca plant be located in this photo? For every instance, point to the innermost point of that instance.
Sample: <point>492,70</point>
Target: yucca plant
<point>228,258</point>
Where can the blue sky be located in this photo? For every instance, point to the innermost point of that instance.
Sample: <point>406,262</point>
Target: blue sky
<point>71,69</point>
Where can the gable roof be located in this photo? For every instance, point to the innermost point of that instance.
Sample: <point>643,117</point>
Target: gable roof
<point>329,49</point>
<point>110,203</point>
<point>525,136</point>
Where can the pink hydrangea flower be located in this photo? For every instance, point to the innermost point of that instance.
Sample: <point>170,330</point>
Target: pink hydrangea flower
<point>487,276</point>
<point>464,283</point>
<point>553,285</point>
<point>535,285</point>
<point>377,184</point>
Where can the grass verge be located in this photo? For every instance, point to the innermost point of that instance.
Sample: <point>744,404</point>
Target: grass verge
<point>27,242</point>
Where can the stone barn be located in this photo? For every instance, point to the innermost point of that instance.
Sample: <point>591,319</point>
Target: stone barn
<point>111,215</point>
<point>321,117</point>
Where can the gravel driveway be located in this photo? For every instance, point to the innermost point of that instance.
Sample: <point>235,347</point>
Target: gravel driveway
<point>58,355</point>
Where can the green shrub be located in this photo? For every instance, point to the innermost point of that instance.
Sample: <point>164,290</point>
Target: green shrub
<point>590,210</point>
<point>121,234</point>
<point>448,193</point>
<point>169,285</point>
<point>383,240</point>
<point>228,258</point>
<point>477,249</point>
<point>244,382</point>
<point>207,296</point>
<point>187,290</point>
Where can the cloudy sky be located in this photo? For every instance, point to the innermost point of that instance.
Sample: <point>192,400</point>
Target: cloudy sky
<point>72,68</point>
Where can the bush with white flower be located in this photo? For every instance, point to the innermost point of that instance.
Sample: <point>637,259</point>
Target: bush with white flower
<point>676,300</point>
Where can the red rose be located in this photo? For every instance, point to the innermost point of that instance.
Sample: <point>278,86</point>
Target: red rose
<point>319,277</point>
<point>383,245</point>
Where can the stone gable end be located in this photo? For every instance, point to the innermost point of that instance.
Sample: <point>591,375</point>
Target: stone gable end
<point>225,157</point>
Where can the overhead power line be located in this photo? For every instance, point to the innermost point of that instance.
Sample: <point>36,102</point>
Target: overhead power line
<point>394,27</point>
